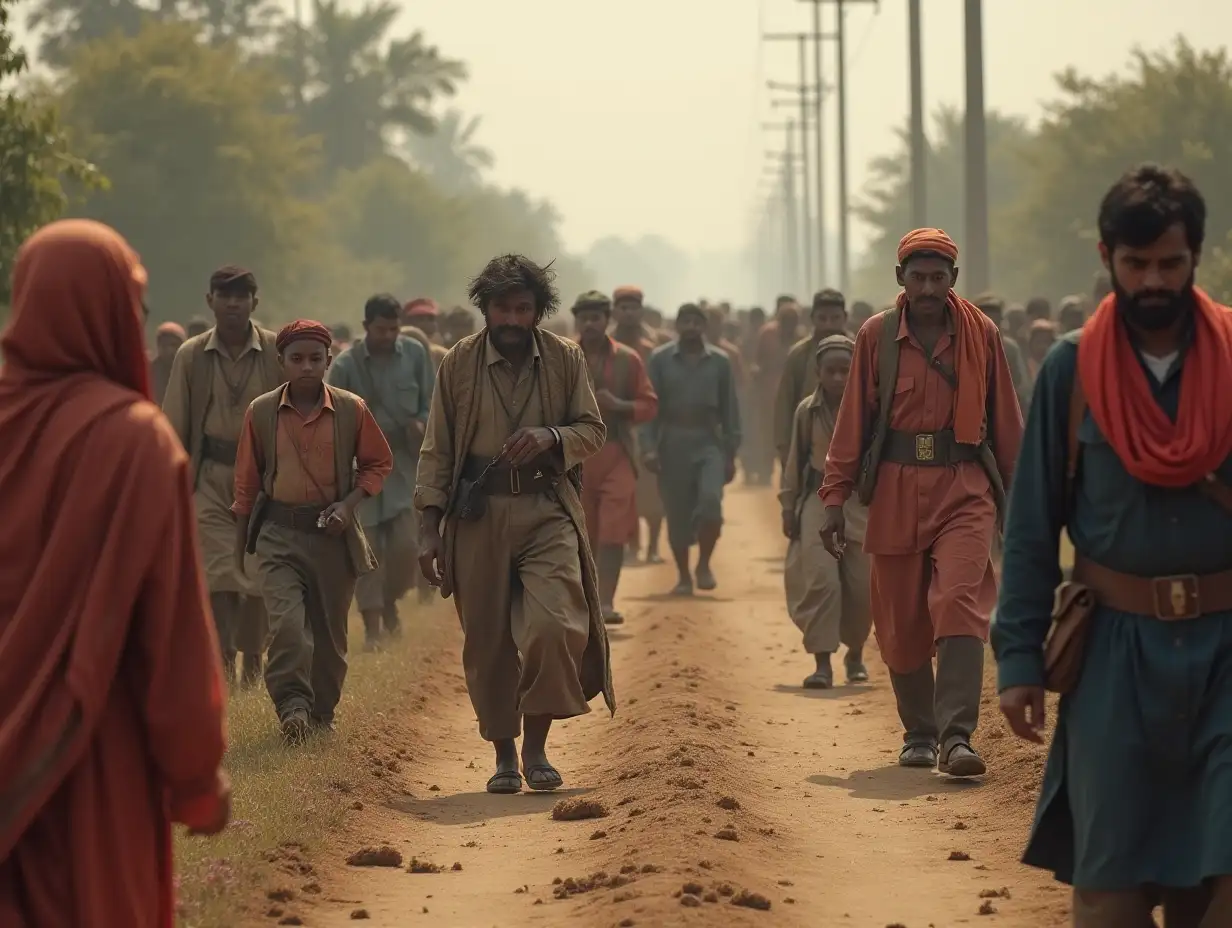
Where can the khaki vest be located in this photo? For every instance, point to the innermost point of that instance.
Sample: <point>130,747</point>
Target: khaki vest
<point>201,386</point>
<point>346,426</point>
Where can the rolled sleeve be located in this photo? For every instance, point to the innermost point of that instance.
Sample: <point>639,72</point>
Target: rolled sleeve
<point>373,459</point>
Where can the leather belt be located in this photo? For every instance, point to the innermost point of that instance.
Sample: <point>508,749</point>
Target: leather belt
<point>219,450</point>
<point>298,518</point>
<point>926,449</point>
<point>510,481</point>
<point>1172,598</point>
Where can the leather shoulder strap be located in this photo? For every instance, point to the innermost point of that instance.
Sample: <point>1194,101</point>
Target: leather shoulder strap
<point>887,367</point>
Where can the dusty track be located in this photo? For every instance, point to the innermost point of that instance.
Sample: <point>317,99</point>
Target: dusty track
<point>713,737</point>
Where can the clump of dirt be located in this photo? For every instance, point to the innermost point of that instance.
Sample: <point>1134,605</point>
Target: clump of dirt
<point>987,908</point>
<point>358,914</point>
<point>690,901</point>
<point>600,879</point>
<point>751,900</point>
<point>383,856</point>
<point>729,803</point>
<point>456,867</point>
<point>290,920</point>
<point>423,866</point>
<point>280,895</point>
<point>1002,893</point>
<point>959,855</point>
<point>693,889</point>
<point>578,809</point>
<point>727,834</point>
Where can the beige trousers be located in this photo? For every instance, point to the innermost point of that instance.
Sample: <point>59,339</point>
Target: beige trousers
<point>828,599</point>
<point>518,591</point>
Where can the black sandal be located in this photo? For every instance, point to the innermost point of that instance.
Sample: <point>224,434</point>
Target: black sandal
<point>505,783</point>
<point>552,779</point>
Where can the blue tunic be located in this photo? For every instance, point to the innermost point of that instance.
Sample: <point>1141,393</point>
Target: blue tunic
<point>1138,786</point>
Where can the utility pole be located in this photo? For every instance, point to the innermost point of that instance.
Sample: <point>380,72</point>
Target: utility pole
<point>801,39</point>
<point>791,220</point>
<point>977,263</point>
<point>919,142</point>
<point>823,250</point>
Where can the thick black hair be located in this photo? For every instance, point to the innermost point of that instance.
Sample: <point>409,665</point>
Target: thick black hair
<point>382,306</point>
<point>756,312</point>
<point>691,309</point>
<point>783,298</point>
<point>829,297</point>
<point>1146,202</point>
<point>515,272</point>
<point>1040,307</point>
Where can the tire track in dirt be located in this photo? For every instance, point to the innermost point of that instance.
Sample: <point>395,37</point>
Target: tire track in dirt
<point>720,779</point>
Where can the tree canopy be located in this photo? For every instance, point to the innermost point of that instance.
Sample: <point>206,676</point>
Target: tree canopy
<point>1172,106</point>
<point>34,159</point>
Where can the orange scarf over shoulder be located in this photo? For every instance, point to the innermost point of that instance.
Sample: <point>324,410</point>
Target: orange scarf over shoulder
<point>1152,447</point>
<point>970,368</point>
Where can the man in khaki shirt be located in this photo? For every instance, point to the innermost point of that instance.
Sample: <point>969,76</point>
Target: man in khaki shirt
<point>513,416</point>
<point>214,377</point>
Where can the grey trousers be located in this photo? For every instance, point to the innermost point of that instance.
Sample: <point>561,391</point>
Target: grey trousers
<point>395,547</point>
<point>942,710</point>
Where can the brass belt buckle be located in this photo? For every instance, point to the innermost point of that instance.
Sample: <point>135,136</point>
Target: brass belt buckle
<point>1177,597</point>
<point>925,448</point>
<point>515,481</point>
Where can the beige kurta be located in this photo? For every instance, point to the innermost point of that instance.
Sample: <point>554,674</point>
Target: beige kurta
<point>827,599</point>
<point>236,382</point>
<point>534,645</point>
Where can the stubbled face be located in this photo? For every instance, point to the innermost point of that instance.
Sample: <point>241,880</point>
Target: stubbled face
<point>168,345</point>
<point>1153,284</point>
<point>927,281</point>
<point>690,328</point>
<point>382,334</point>
<point>788,318</point>
<point>232,308</point>
<point>829,319</point>
<point>591,324</point>
<point>627,313</point>
<point>832,372</point>
<point>305,362</point>
<point>511,319</point>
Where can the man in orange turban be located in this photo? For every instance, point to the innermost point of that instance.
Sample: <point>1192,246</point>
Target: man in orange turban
<point>929,420</point>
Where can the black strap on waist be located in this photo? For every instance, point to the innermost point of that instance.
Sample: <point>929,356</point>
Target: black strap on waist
<point>299,518</point>
<point>499,480</point>
<point>926,449</point>
<point>219,449</point>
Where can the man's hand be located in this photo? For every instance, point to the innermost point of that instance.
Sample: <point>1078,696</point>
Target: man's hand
<point>650,461</point>
<point>729,469</point>
<point>610,402</point>
<point>337,516</point>
<point>431,555</point>
<point>834,531</point>
<point>1023,708</point>
<point>790,527</point>
<point>223,813</point>
<point>526,444</point>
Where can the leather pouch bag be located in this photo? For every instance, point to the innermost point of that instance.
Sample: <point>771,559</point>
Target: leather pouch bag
<point>1072,609</point>
<point>472,500</point>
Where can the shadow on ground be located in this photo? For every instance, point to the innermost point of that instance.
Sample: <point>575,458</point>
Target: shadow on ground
<point>841,691</point>
<point>893,782</point>
<point>468,808</point>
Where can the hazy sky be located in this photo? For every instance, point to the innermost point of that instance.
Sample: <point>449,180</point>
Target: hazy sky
<point>645,115</point>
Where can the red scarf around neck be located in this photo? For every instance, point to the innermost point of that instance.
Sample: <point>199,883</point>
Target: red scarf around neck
<point>1152,447</point>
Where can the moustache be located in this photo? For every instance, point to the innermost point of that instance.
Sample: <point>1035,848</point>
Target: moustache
<point>511,333</point>
<point>1153,310</point>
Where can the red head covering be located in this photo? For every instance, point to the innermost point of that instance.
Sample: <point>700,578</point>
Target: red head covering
<point>109,672</point>
<point>933,240</point>
<point>304,330</point>
<point>172,328</point>
<point>627,293</point>
<point>420,306</point>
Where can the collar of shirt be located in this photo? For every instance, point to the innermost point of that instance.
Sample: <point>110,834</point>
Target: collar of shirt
<point>360,347</point>
<point>492,356</point>
<point>327,402</point>
<point>214,343</point>
<point>708,350</point>
<point>904,330</point>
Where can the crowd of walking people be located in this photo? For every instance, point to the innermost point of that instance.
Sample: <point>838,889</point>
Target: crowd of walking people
<point>508,459</point>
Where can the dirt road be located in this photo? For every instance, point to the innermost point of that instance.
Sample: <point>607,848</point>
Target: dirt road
<point>718,776</point>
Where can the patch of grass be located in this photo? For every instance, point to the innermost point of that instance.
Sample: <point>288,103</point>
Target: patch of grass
<point>295,796</point>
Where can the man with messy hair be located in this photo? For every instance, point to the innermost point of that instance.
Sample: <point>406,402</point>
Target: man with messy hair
<point>513,417</point>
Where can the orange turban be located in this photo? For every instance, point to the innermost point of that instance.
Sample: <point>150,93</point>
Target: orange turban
<point>303,330</point>
<point>627,293</point>
<point>933,240</point>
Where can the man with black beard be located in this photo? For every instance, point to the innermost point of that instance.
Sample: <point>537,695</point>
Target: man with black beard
<point>1128,447</point>
<point>503,529</point>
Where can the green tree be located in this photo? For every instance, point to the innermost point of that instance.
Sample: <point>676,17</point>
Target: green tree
<point>34,159</point>
<point>202,171</point>
<point>357,87</point>
<point>1172,107</point>
<point>886,206</point>
<point>450,155</point>
<point>246,22</point>
<point>68,24</point>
